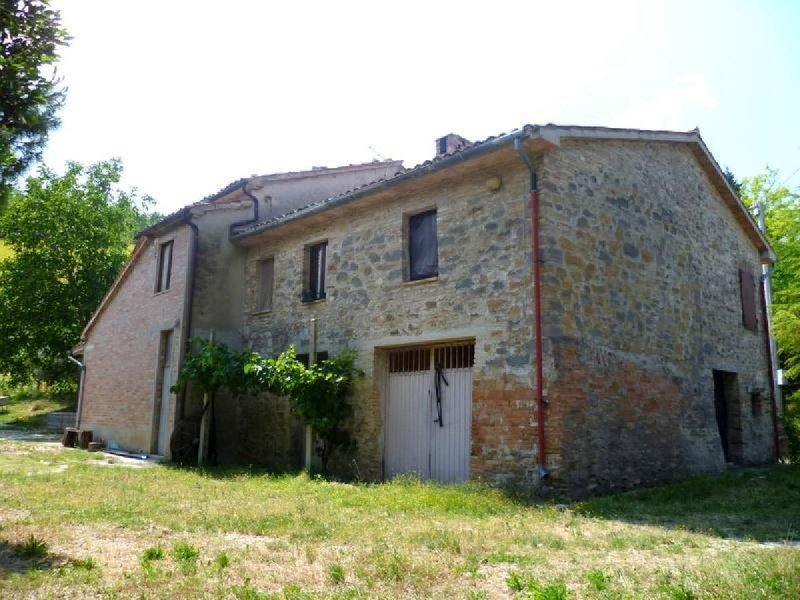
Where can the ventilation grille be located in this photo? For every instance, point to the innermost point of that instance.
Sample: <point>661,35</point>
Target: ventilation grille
<point>450,356</point>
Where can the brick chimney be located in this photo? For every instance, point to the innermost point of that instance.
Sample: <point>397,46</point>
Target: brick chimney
<point>449,144</point>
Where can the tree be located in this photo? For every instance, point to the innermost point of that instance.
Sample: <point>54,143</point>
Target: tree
<point>782,216</point>
<point>735,184</point>
<point>70,235</point>
<point>30,37</point>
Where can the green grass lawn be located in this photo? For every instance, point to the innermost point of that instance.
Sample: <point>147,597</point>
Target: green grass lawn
<point>74,524</point>
<point>28,409</point>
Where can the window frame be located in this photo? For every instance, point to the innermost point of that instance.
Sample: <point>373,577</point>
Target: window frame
<point>314,281</point>
<point>264,302</point>
<point>747,293</point>
<point>410,275</point>
<point>161,284</point>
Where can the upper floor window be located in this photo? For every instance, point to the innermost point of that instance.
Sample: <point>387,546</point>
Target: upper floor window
<point>315,274</point>
<point>266,283</point>
<point>747,289</point>
<point>164,266</point>
<point>423,247</point>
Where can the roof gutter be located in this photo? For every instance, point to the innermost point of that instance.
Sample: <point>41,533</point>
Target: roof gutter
<point>254,219</point>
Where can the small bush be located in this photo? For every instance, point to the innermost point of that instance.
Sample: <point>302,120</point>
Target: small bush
<point>32,548</point>
<point>88,563</point>
<point>248,592</point>
<point>525,582</point>
<point>336,574</point>
<point>153,553</point>
<point>221,561</point>
<point>186,555</point>
<point>295,592</point>
<point>791,425</point>
<point>392,566</point>
<point>597,579</point>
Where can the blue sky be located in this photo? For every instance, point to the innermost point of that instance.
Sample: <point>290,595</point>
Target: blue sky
<point>192,95</point>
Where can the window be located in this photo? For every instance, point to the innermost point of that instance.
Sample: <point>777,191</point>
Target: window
<point>266,279</point>
<point>315,279</point>
<point>423,247</point>
<point>747,288</point>
<point>755,404</point>
<point>164,266</point>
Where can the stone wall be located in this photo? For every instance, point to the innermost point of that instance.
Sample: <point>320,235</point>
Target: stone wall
<point>641,304</point>
<point>482,292</point>
<point>121,389</point>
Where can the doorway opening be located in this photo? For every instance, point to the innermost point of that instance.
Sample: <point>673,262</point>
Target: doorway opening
<point>727,409</point>
<point>161,420</point>
<point>429,412</point>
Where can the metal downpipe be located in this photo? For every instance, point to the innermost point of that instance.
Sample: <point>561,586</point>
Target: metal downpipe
<point>537,305</point>
<point>82,367</point>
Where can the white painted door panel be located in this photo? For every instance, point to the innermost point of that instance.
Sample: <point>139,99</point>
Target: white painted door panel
<point>408,425</point>
<point>415,443</point>
<point>450,444</point>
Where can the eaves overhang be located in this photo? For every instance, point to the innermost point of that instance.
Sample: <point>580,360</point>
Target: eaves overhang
<point>536,138</point>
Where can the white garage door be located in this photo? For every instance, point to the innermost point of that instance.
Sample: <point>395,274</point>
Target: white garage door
<point>429,412</point>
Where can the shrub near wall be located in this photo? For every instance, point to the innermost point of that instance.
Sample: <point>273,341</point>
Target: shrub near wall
<point>318,394</point>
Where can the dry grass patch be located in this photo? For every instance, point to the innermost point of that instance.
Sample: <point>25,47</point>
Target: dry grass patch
<point>227,533</point>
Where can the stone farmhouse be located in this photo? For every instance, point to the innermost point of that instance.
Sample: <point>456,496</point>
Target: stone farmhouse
<point>580,304</point>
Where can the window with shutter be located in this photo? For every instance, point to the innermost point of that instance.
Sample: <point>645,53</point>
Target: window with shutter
<point>747,288</point>
<point>266,282</point>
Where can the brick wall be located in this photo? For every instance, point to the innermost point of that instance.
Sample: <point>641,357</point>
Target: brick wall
<point>122,349</point>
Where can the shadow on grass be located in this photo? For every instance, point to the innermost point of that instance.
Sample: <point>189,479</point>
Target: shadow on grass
<point>224,472</point>
<point>13,559</point>
<point>758,504</point>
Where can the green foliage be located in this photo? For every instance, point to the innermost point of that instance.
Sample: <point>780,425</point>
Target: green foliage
<point>791,422</point>
<point>246,591</point>
<point>530,587</point>
<point>336,573</point>
<point>318,393</point>
<point>782,217</point>
<point>32,548</point>
<point>222,561</point>
<point>5,251</point>
<point>186,555</point>
<point>88,564</point>
<point>597,579</point>
<point>216,366</point>
<point>30,39</point>
<point>735,183</point>
<point>152,553</point>
<point>69,235</point>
